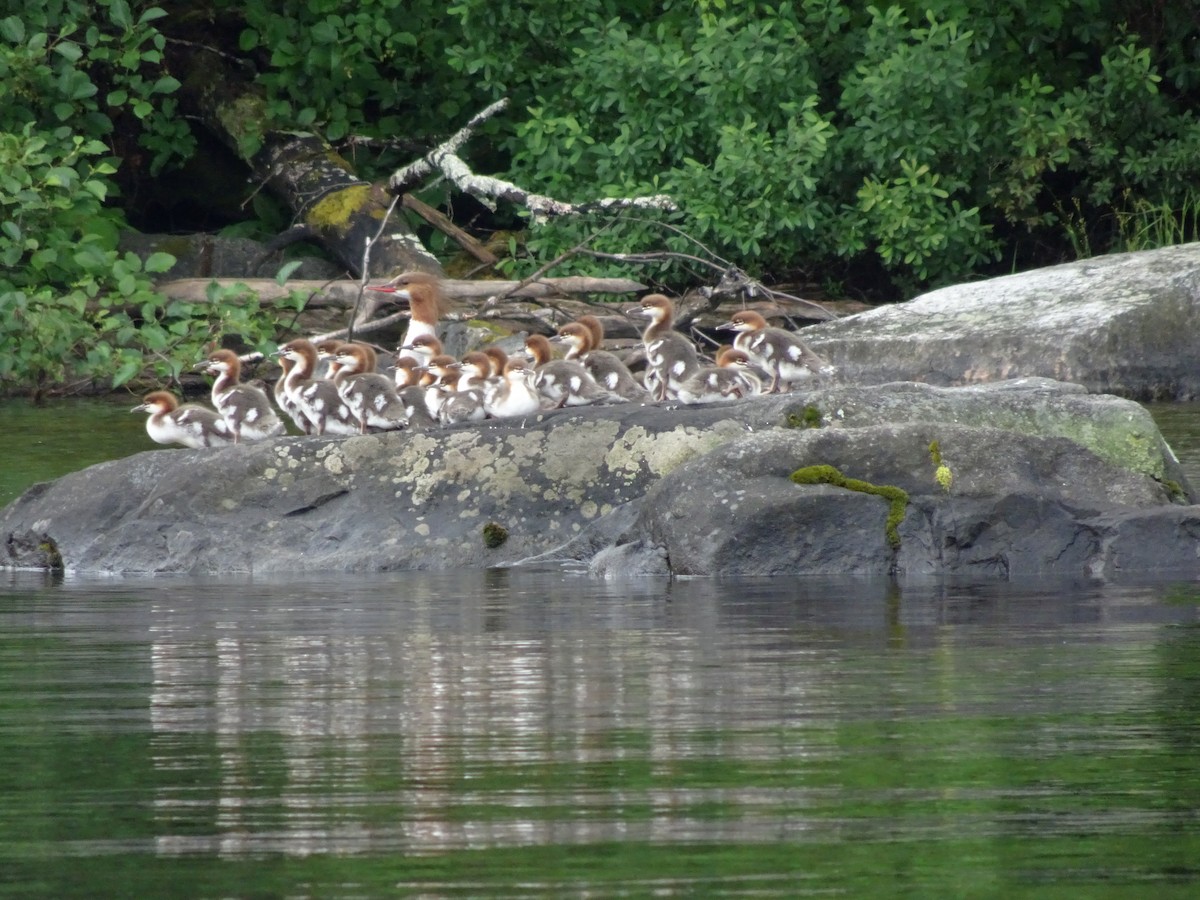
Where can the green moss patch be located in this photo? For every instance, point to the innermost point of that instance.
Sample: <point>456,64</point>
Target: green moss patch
<point>897,497</point>
<point>494,535</point>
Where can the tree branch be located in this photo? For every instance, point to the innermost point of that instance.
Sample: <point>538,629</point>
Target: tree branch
<point>445,159</point>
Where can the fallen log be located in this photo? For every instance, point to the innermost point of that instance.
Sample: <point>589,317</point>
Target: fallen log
<point>343,293</point>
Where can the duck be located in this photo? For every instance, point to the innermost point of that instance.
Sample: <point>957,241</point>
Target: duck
<point>515,396</point>
<point>564,382</point>
<point>780,353</point>
<point>671,358</point>
<point>285,402</point>
<point>730,379</point>
<point>317,398</point>
<point>372,397</point>
<point>244,407</point>
<point>423,294</point>
<point>582,339</point>
<point>465,404</point>
<point>442,375</point>
<point>190,425</point>
<point>498,358</point>
<point>420,349</point>
<point>327,366</point>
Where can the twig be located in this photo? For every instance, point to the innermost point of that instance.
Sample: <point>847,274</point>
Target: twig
<point>562,257</point>
<point>366,267</point>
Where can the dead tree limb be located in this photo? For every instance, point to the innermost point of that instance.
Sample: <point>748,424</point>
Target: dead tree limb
<point>445,159</point>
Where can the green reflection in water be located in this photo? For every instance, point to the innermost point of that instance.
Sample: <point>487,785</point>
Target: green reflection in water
<point>38,443</point>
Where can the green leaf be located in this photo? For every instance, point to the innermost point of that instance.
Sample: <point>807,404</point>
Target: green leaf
<point>159,262</point>
<point>12,30</point>
<point>12,229</point>
<point>150,14</point>
<point>165,85</point>
<point>117,98</point>
<point>120,15</point>
<point>68,50</point>
<point>286,271</point>
<point>248,40</point>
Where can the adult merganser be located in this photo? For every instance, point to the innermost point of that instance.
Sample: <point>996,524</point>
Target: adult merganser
<point>317,398</point>
<point>729,379</point>
<point>423,294</point>
<point>371,396</point>
<point>582,339</point>
<point>190,425</point>
<point>781,354</point>
<point>564,382</point>
<point>671,358</point>
<point>515,396</point>
<point>244,407</point>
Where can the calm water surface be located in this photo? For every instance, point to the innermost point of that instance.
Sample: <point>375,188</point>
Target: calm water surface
<point>538,734</point>
<point>524,733</point>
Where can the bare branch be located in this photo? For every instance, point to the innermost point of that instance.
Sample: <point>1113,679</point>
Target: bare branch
<point>445,159</point>
<point>496,298</point>
<point>414,172</point>
<point>366,271</point>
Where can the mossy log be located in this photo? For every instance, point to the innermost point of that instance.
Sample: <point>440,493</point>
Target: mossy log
<point>338,209</point>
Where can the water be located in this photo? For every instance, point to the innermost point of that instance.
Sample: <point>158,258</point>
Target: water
<point>522,733</point>
<point>525,733</point>
<point>38,443</point>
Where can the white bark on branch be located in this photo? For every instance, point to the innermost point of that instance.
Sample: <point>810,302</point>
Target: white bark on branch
<point>445,159</point>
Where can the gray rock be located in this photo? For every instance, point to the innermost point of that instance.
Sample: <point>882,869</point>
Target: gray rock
<point>1020,511</point>
<point>1127,324</point>
<point>1046,478</point>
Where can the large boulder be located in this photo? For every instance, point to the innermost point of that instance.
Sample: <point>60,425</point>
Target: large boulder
<point>634,488</point>
<point>1127,324</point>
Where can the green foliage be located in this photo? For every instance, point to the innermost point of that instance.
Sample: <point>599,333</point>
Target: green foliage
<point>932,138</point>
<point>67,71</point>
<point>375,67</point>
<point>888,147</point>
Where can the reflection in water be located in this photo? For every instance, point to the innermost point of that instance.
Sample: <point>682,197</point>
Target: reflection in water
<point>429,714</point>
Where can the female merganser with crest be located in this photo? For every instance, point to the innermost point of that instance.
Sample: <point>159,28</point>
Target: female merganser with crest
<point>424,297</point>
<point>190,425</point>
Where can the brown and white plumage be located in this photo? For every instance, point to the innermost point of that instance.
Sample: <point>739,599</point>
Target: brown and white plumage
<point>671,358</point>
<point>423,294</point>
<point>781,354</point>
<point>564,382</point>
<point>244,407</point>
<point>371,396</point>
<point>190,425</point>
<point>582,339</point>
<point>317,398</point>
<point>515,396</point>
<point>729,379</point>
